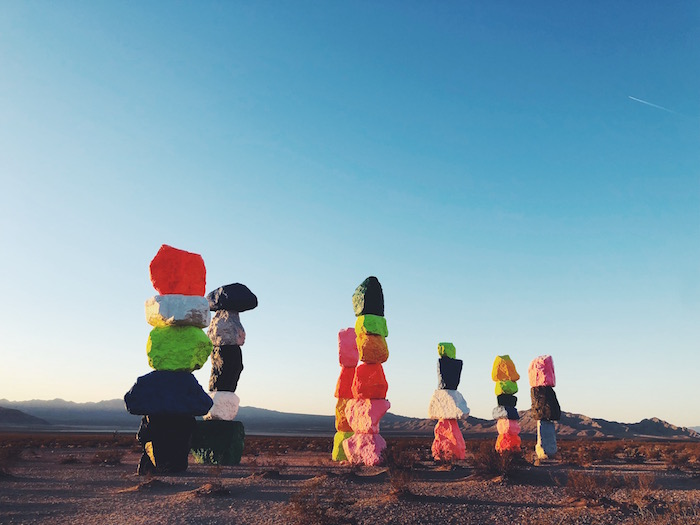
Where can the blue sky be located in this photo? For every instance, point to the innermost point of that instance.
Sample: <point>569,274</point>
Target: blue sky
<point>484,161</point>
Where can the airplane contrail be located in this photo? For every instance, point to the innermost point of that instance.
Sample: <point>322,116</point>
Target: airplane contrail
<point>650,104</point>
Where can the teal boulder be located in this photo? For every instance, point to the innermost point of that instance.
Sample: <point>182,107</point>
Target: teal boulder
<point>218,442</point>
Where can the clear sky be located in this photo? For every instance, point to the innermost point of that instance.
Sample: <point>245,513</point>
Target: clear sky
<point>483,159</point>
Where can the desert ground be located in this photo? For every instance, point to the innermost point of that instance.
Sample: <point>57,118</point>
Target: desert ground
<point>90,479</point>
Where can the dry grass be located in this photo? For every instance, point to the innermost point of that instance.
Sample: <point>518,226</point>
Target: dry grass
<point>318,503</point>
<point>487,462</point>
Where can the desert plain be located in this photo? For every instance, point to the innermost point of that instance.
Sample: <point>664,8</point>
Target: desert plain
<point>91,479</point>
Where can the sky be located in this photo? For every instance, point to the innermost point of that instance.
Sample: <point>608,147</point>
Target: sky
<point>523,179</point>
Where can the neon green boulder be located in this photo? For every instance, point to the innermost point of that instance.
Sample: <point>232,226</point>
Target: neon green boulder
<point>371,324</point>
<point>447,350</point>
<point>338,452</point>
<point>506,387</point>
<point>178,348</point>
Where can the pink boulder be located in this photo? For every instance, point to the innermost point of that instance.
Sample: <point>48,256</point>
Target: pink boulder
<point>364,414</point>
<point>176,271</point>
<point>448,443</point>
<point>364,449</point>
<point>347,348</point>
<point>369,382</point>
<point>541,371</point>
<point>508,426</point>
<point>343,387</point>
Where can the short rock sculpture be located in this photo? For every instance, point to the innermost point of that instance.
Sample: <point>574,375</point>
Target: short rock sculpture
<point>448,406</point>
<point>506,376</point>
<point>170,397</point>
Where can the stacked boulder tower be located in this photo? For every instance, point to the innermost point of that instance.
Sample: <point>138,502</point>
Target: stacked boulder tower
<point>218,438</point>
<point>348,355</point>
<point>448,406</point>
<point>545,406</point>
<point>506,415</point>
<point>170,397</point>
<point>368,402</point>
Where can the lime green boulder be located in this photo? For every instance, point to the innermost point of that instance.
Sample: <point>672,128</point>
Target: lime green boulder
<point>218,442</point>
<point>178,348</point>
<point>447,350</point>
<point>338,452</point>
<point>371,324</point>
<point>506,387</point>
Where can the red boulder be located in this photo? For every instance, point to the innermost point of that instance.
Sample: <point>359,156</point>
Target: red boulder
<point>176,271</point>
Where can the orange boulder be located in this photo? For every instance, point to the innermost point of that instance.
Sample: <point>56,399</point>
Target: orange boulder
<point>372,347</point>
<point>341,421</point>
<point>509,442</point>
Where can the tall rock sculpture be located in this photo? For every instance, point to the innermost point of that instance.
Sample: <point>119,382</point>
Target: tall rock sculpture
<point>368,402</point>
<point>545,406</point>
<point>219,439</point>
<point>506,376</point>
<point>448,406</point>
<point>170,397</point>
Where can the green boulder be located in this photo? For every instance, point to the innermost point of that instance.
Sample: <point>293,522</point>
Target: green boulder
<point>218,442</point>
<point>506,387</point>
<point>371,324</point>
<point>338,451</point>
<point>178,348</point>
<point>447,350</point>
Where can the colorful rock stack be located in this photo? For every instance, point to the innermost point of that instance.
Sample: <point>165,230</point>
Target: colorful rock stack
<point>448,407</point>
<point>219,439</point>
<point>545,407</point>
<point>170,397</point>
<point>368,391</point>
<point>506,377</point>
<point>348,355</point>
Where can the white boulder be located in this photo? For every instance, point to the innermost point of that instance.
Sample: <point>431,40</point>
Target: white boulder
<point>178,310</point>
<point>225,405</point>
<point>447,404</point>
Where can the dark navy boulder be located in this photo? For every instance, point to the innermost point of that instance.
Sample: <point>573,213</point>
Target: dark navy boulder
<point>507,400</point>
<point>449,372</point>
<point>165,392</point>
<point>368,298</point>
<point>234,297</point>
<point>226,368</point>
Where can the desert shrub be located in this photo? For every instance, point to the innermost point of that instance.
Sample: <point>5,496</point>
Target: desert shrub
<point>589,486</point>
<point>674,514</point>
<point>678,459</point>
<point>318,503</point>
<point>9,455</point>
<point>400,461</point>
<point>70,459</point>
<point>487,461</point>
<point>107,457</point>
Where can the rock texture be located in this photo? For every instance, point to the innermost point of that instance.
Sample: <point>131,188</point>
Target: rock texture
<point>178,348</point>
<point>448,444</point>
<point>364,449</point>
<point>175,271</point>
<point>348,353</point>
<point>218,442</point>
<point>234,297</point>
<point>226,329</point>
<point>225,377</point>
<point>341,420</point>
<point>166,443</point>
<point>338,453</point>
<point>544,403</point>
<point>363,415</point>
<point>368,298</point>
<point>447,404</point>
<point>167,393</point>
<point>546,446</point>
<point>447,350</point>
<point>343,387</point>
<point>504,369</point>
<point>449,373</point>
<point>225,406</point>
<point>178,310</point>
<point>371,324</point>
<point>372,348</point>
<point>369,382</point>
<point>541,371</point>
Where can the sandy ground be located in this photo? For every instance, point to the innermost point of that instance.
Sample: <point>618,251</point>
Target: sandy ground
<point>64,485</point>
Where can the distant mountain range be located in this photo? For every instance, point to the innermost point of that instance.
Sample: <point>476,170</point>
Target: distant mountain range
<point>60,415</point>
